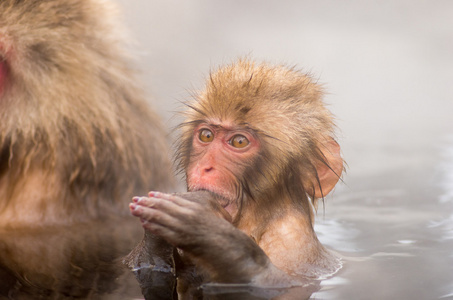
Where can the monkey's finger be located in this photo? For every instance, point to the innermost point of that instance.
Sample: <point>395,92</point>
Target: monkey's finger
<point>192,205</point>
<point>152,215</point>
<point>164,206</point>
<point>180,201</point>
<point>132,207</point>
<point>143,201</point>
<point>162,231</point>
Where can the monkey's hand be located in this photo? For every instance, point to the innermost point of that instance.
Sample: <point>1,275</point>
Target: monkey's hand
<point>213,243</point>
<point>208,200</point>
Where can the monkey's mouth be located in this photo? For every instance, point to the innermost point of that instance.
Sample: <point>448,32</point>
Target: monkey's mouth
<point>222,200</point>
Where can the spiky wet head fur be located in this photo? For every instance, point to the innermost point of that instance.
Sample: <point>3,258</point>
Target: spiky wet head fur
<point>283,106</point>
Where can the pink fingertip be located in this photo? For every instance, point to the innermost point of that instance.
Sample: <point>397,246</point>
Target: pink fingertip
<point>141,199</point>
<point>135,199</point>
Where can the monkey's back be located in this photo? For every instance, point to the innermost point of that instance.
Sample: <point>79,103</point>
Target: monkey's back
<point>77,137</point>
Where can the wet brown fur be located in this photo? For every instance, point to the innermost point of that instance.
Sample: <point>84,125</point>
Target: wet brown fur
<point>77,138</point>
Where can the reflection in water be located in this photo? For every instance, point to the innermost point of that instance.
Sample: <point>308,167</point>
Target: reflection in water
<point>244,291</point>
<point>78,261</point>
<point>164,274</point>
<point>161,284</point>
<point>83,261</point>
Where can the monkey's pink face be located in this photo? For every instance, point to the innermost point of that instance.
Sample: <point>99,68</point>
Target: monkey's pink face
<point>219,157</point>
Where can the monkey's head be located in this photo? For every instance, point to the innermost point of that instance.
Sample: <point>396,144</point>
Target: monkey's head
<point>259,132</point>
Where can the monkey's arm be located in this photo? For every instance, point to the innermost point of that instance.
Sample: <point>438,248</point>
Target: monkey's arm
<point>225,252</point>
<point>152,263</point>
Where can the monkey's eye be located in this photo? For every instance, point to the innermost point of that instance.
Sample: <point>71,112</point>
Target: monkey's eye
<point>239,141</point>
<point>206,136</point>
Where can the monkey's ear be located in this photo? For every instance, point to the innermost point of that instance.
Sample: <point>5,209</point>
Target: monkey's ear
<point>328,175</point>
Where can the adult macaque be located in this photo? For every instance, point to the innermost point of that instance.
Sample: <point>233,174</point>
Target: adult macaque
<point>76,135</point>
<point>260,138</point>
<point>76,139</point>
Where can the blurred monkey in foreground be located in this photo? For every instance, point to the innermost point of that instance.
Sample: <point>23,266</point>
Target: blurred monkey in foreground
<point>76,136</point>
<point>77,139</point>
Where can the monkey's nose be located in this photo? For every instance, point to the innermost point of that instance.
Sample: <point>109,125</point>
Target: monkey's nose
<point>207,169</point>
